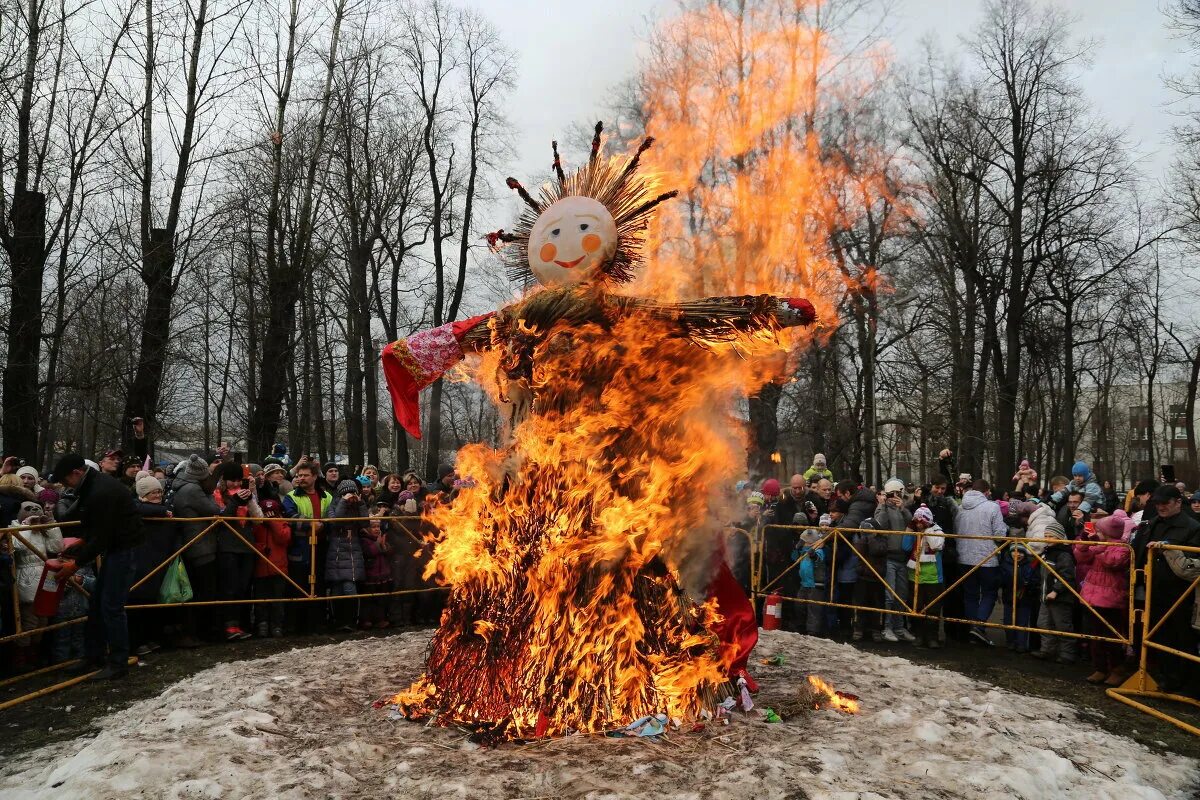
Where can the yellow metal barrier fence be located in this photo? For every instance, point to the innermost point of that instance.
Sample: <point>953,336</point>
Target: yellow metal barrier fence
<point>837,537</point>
<point>8,535</point>
<point>1141,683</point>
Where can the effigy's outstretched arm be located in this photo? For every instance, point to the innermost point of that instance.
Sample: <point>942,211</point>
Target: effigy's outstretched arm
<point>411,364</point>
<point>716,319</point>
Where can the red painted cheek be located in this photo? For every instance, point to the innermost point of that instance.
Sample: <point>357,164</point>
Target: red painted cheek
<point>591,243</point>
<point>548,252</point>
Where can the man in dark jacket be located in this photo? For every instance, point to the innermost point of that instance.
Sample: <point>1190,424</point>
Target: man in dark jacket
<point>1170,525</point>
<point>110,527</point>
<point>872,548</point>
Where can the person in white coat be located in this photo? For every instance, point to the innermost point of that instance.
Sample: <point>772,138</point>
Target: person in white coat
<point>45,543</point>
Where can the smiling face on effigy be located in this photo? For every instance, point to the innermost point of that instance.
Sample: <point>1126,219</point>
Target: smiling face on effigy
<point>572,241</point>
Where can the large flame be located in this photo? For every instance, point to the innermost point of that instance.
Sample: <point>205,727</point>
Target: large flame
<point>757,112</point>
<point>578,590</point>
<point>578,565</point>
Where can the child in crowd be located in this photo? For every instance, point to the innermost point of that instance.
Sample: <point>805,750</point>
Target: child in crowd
<point>1058,602</point>
<point>271,538</point>
<point>377,573</point>
<point>924,546</point>
<point>812,549</point>
<point>69,640</point>
<point>1107,591</point>
<point>344,558</point>
<point>31,548</point>
<point>1018,611</point>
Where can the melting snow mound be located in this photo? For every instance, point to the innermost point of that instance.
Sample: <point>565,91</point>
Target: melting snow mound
<point>300,725</point>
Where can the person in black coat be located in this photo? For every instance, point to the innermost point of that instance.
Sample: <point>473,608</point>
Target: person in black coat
<point>110,527</point>
<point>161,540</point>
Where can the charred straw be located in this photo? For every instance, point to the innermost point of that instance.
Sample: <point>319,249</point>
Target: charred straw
<point>632,166</point>
<point>596,143</point>
<point>516,186</point>
<point>558,170</point>
<point>647,206</point>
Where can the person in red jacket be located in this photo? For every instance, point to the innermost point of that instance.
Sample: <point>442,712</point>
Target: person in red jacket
<point>272,539</point>
<point>1106,590</point>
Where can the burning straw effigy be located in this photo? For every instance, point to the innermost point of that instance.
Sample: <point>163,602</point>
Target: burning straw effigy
<point>587,584</point>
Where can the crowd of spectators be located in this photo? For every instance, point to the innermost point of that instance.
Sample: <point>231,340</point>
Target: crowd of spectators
<point>893,549</point>
<point>362,529</point>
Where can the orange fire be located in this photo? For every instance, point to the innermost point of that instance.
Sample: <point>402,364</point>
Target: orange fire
<point>758,113</point>
<point>578,588</point>
<point>579,563</point>
<point>833,698</point>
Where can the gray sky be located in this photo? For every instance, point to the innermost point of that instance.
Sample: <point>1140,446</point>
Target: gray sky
<point>572,53</point>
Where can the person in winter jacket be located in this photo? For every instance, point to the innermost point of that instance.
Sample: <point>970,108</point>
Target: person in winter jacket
<point>871,548</point>
<point>818,470</point>
<point>1020,610</point>
<point>161,540</point>
<point>191,498</point>
<point>272,539</point>
<point>1040,518</point>
<point>306,502</point>
<point>69,640</point>
<point>377,575</point>
<point>1106,590</point>
<point>813,552</point>
<point>980,517</point>
<point>12,495</point>
<point>843,569</point>
<point>30,552</point>
<point>109,527</point>
<point>1111,500</point>
<point>924,546</point>
<point>891,515</point>
<point>1058,601</point>
<point>1172,577</point>
<point>344,566</point>
<point>1082,480</point>
<point>235,551</point>
<point>1025,481</point>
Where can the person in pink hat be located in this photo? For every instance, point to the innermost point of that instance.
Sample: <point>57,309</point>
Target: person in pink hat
<point>1107,591</point>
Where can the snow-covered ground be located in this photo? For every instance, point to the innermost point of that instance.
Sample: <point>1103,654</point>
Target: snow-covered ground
<point>300,725</point>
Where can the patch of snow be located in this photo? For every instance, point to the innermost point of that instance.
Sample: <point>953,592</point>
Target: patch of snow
<point>300,725</point>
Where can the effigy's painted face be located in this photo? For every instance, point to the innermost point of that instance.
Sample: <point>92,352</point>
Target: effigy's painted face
<point>572,241</point>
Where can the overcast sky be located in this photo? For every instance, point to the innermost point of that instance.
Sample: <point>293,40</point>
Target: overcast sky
<point>572,53</point>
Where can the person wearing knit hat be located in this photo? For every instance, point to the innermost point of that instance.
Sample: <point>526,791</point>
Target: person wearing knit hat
<point>27,564</point>
<point>1026,478</point>
<point>771,489</point>
<point>344,561</point>
<point>924,546</point>
<point>1058,599</point>
<point>1106,590</point>
<point>818,470</point>
<point>146,485</point>
<point>29,478</point>
<point>891,515</point>
<point>1084,482</point>
<point>756,499</point>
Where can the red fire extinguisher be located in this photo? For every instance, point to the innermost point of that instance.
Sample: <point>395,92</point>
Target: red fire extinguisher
<point>50,590</point>
<point>772,612</point>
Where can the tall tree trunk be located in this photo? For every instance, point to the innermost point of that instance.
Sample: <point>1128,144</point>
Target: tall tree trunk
<point>158,269</point>
<point>764,430</point>
<point>27,261</point>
